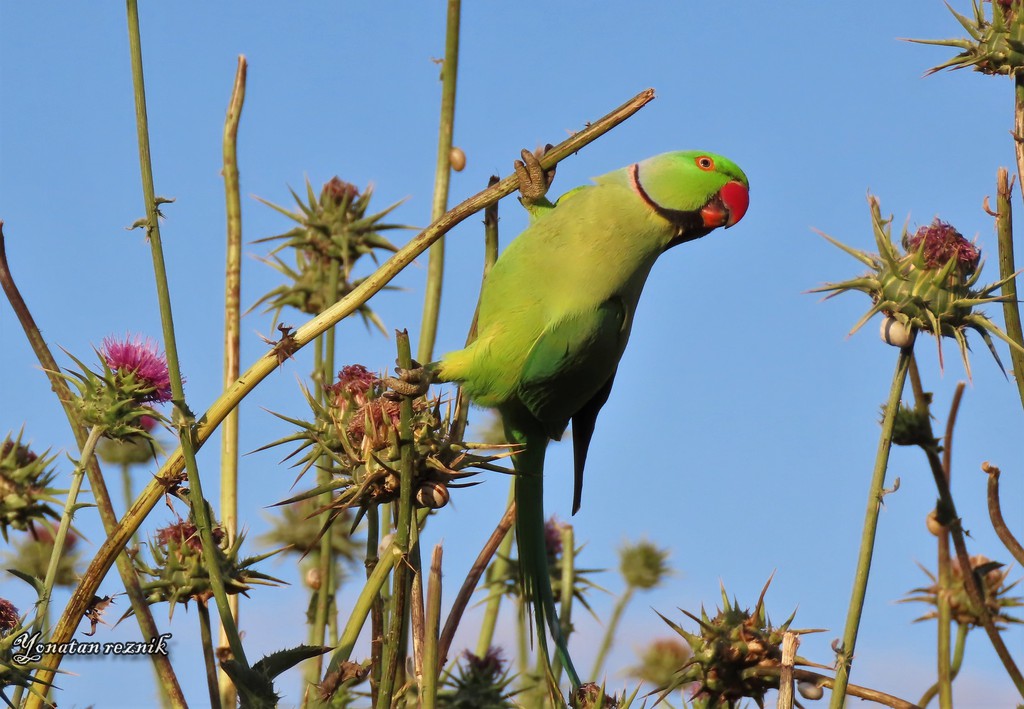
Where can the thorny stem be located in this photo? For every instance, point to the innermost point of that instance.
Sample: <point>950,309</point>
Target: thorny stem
<point>435,267</point>
<point>186,423</point>
<point>1004,232</point>
<point>209,658</point>
<point>98,487</point>
<point>844,659</point>
<point>400,587</point>
<point>232,338</point>
<point>995,513</point>
<point>70,505</point>
<point>500,533</point>
<point>259,370</point>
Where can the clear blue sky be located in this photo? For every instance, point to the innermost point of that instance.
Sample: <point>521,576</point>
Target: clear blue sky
<point>743,426</point>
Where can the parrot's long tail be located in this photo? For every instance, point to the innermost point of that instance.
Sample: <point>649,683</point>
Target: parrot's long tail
<point>533,553</point>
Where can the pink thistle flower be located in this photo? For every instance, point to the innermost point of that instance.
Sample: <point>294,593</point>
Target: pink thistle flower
<point>355,379</point>
<point>9,619</point>
<point>941,243</point>
<point>141,358</point>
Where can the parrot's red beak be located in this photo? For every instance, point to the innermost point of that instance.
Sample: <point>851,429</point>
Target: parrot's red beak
<point>727,207</point>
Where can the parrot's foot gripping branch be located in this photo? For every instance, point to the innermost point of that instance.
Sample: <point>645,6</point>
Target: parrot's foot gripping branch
<point>411,383</point>
<point>534,180</point>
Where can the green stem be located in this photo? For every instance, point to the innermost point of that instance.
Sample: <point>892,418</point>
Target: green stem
<point>490,257</point>
<point>431,657</point>
<point>186,424</point>
<point>1011,310</point>
<point>153,493</point>
<point>209,659</point>
<point>101,496</point>
<point>325,559</point>
<point>70,505</point>
<point>400,585</point>
<point>498,569</point>
<point>609,633</point>
<point>364,603</point>
<point>373,540</point>
<point>232,337</point>
<point>867,545</point>
<point>568,585</point>
<point>442,176</point>
<point>958,658</point>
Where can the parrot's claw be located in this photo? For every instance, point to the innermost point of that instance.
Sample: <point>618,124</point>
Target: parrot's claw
<point>534,180</point>
<point>411,383</point>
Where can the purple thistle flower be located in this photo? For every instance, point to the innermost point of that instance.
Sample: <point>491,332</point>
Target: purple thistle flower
<point>9,619</point>
<point>941,243</point>
<point>141,358</point>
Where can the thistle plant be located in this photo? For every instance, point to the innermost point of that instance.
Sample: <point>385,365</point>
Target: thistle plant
<point>357,431</point>
<point>931,286</point>
<point>479,683</point>
<point>727,651</point>
<point>995,41</point>
<point>32,554</point>
<point>179,573</point>
<point>117,399</point>
<point>996,590</point>
<point>332,233</point>
<point>12,673</point>
<point>643,566</point>
<point>26,495</point>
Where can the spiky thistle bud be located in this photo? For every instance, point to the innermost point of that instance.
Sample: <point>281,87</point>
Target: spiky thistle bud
<point>31,555</point>
<point>332,233</point>
<point>478,683</point>
<point>180,574</point>
<point>356,428</point>
<point>660,660</point>
<point>994,45</point>
<point>996,593</point>
<point>9,617</point>
<point>25,493</point>
<point>643,564</point>
<point>724,649</point>
<point>931,287</point>
<point>132,449</point>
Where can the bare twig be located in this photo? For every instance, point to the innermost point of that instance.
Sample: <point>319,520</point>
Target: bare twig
<point>995,513</point>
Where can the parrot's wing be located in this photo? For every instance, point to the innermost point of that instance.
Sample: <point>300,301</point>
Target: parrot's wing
<point>568,375</point>
<point>583,422</point>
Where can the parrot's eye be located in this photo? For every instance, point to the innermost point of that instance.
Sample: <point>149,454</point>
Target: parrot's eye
<point>705,163</point>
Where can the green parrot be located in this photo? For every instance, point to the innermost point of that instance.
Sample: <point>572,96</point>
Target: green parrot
<point>555,314</point>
